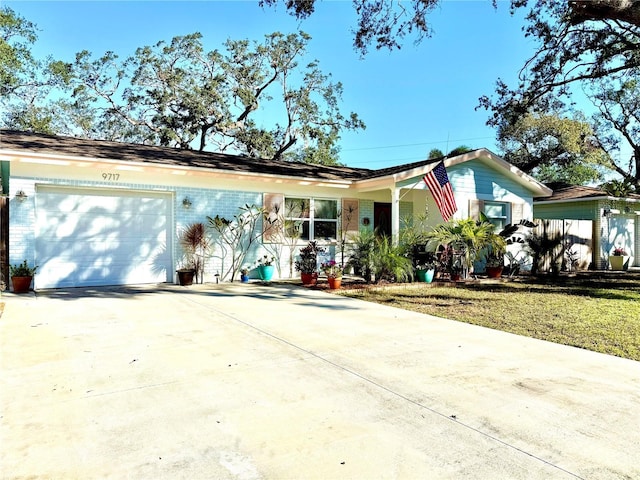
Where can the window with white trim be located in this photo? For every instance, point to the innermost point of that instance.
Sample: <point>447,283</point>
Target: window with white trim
<point>497,213</point>
<point>311,218</point>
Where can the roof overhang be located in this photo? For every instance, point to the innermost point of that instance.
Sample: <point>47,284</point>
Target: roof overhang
<point>389,181</point>
<point>48,158</point>
<point>587,199</point>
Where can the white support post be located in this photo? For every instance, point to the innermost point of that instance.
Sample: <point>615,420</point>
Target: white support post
<point>395,215</point>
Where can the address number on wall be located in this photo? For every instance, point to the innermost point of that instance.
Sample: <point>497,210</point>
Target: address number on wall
<point>111,177</point>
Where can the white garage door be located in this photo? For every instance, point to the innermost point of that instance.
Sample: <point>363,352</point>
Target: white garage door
<point>90,237</point>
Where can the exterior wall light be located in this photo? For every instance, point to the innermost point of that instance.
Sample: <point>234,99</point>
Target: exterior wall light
<point>21,196</point>
<point>186,203</point>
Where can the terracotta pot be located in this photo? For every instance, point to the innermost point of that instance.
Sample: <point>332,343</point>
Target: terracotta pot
<point>334,283</point>
<point>309,278</point>
<point>21,284</point>
<point>494,272</point>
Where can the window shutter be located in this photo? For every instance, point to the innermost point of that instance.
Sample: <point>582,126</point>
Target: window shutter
<point>273,224</point>
<point>350,216</point>
<point>475,207</point>
<point>517,213</point>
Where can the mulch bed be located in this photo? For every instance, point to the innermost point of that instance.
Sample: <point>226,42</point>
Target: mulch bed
<point>605,279</point>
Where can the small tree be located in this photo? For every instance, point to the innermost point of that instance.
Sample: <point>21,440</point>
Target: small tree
<point>195,246</point>
<point>346,216</point>
<point>236,236</point>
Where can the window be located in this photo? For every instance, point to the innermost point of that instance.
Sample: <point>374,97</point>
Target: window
<point>311,218</point>
<point>497,213</point>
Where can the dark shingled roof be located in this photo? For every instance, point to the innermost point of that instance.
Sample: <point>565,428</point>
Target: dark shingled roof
<point>102,149</point>
<point>577,192</point>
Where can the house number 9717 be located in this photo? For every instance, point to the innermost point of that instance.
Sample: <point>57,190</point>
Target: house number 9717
<point>111,177</point>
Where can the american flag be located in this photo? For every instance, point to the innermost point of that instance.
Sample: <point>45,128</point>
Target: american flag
<point>438,182</point>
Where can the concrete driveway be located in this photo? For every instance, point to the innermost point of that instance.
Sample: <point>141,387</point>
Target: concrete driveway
<point>281,382</point>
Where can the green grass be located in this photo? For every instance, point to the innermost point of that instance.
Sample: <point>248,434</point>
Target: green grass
<point>596,312</point>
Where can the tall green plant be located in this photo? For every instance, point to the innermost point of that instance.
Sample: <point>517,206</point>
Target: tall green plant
<point>390,262</point>
<point>413,235</point>
<point>473,239</point>
<point>363,251</point>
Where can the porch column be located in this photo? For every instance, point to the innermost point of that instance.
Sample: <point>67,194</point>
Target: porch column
<point>395,215</point>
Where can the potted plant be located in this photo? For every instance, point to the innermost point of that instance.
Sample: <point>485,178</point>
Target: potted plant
<point>494,266</point>
<point>195,246</point>
<point>21,276</point>
<point>456,271</point>
<point>333,271</point>
<point>307,263</point>
<point>617,259</point>
<point>265,268</point>
<point>244,274</point>
<point>468,238</point>
<point>425,271</point>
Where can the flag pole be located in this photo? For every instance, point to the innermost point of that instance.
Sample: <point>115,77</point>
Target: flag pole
<point>416,184</point>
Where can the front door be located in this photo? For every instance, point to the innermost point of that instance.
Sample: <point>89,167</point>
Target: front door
<point>382,219</point>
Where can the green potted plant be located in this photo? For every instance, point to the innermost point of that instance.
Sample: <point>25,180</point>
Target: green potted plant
<point>426,270</point>
<point>307,263</point>
<point>470,240</point>
<point>21,276</point>
<point>494,256</point>
<point>494,266</point>
<point>265,268</point>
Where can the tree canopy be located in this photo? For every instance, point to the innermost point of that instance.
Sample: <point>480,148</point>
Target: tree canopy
<point>580,43</point>
<point>554,149</point>
<point>261,99</point>
<point>26,81</point>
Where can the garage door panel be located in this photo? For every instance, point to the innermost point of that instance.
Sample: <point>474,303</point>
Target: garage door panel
<point>102,237</point>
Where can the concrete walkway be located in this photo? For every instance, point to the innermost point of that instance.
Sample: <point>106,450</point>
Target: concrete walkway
<point>281,382</point>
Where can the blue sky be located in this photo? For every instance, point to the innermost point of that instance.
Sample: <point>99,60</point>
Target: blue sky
<point>412,100</point>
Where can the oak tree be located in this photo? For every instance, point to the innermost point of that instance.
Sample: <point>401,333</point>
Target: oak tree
<point>178,94</point>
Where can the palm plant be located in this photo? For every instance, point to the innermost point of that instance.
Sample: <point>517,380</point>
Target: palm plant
<point>471,238</point>
<point>363,253</point>
<point>195,246</point>
<point>390,262</point>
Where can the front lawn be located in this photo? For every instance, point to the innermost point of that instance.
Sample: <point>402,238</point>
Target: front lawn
<point>599,312</point>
